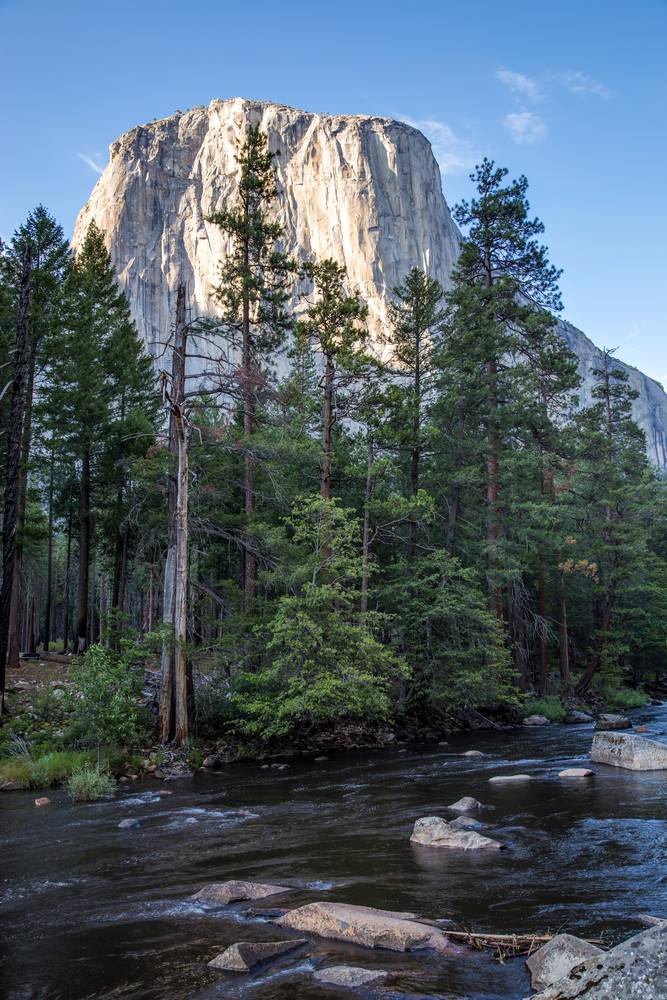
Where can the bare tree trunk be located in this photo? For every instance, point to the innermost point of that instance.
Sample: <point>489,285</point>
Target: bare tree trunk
<point>564,640</point>
<point>103,607</point>
<point>249,557</point>
<point>365,551</point>
<point>166,716</point>
<point>84,555</point>
<point>13,466</point>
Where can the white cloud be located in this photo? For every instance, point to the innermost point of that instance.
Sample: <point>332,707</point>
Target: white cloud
<point>92,162</point>
<point>519,84</point>
<point>525,127</point>
<point>583,85</point>
<point>454,154</point>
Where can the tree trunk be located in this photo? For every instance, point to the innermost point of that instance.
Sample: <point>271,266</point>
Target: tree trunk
<point>365,551</point>
<point>13,465</point>
<point>84,555</point>
<point>415,450</point>
<point>181,586</point>
<point>166,718</point>
<point>564,641</point>
<point>66,596</point>
<point>49,564</point>
<point>455,504</point>
<point>249,557</point>
<point>492,468</point>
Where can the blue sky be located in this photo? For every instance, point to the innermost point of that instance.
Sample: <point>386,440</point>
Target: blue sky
<point>572,93</point>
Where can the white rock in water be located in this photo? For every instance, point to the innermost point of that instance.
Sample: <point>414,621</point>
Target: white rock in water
<point>536,720</point>
<point>557,958</point>
<point>508,779</point>
<point>236,890</point>
<point>434,831</point>
<point>576,772</point>
<point>365,191</point>
<point>348,975</point>
<point>466,804</point>
<point>626,750</point>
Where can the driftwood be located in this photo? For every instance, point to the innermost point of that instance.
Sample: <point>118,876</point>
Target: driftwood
<point>506,945</point>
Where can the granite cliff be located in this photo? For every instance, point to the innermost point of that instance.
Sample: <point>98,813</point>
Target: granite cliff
<point>366,191</point>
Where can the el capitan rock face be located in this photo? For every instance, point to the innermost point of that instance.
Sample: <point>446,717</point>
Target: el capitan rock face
<point>366,191</point>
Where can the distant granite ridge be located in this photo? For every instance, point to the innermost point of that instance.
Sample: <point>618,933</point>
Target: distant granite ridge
<point>364,190</point>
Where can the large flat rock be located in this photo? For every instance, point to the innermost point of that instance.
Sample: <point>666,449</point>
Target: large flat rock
<point>366,926</point>
<point>235,891</point>
<point>434,831</point>
<point>627,750</point>
<point>348,975</point>
<point>633,970</point>
<point>246,955</point>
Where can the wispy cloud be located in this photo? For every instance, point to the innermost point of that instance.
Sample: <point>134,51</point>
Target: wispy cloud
<point>454,154</point>
<point>582,84</point>
<point>525,127</point>
<point>519,84</point>
<point>92,162</point>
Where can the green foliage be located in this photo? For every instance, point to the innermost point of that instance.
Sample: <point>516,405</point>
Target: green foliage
<point>550,706</point>
<point>105,706</point>
<point>622,697</point>
<point>89,784</point>
<point>44,771</point>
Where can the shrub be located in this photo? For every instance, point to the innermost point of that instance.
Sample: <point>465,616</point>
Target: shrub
<point>624,698</point>
<point>19,771</point>
<point>550,707</point>
<point>106,712</point>
<point>54,767</point>
<point>89,784</point>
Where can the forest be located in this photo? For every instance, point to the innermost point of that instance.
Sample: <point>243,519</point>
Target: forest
<point>288,528</point>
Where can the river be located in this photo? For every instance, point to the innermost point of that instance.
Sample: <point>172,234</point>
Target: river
<point>90,910</point>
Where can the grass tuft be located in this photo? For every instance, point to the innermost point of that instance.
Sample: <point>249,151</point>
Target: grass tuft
<point>550,707</point>
<point>90,784</point>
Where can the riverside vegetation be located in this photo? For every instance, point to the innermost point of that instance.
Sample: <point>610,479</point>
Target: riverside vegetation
<point>295,535</point>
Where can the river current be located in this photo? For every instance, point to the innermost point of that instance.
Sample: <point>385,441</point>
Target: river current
<point>89,910</point>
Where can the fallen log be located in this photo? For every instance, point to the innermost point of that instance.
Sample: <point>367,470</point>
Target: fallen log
<point>505,944</point>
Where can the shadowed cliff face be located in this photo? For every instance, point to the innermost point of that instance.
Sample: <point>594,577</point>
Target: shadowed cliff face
<point>365,191</point>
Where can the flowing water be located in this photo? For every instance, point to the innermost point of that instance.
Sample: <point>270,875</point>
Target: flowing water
<point>91,910</point>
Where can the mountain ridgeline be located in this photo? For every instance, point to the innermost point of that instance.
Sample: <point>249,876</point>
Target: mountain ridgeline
<point>364,191</point>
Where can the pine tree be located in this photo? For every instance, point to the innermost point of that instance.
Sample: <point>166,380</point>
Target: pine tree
<point>255,280</point>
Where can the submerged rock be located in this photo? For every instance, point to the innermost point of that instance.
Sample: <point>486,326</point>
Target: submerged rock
<point>557,958</point>
<point>576,772</point>
<point>245,955</point>
<point>348,975</point>
<point>636,753</point>
<point>466,823</point>
<point>129,823</point>
<point>466,804</point>
<point>507,779</point>
<point>234,891</point>
<point>576,717</point>
<point>42,801</point>
<point>367,926</point>
<point>610,721</point>
<point>433,831</point>
<point>633,970</point>
<point>472,753</point>
<point>536,720</point>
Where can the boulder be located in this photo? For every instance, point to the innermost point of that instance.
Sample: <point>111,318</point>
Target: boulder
<point>235,891</point>
<point>508,779</point>
<point>576,772</point>
<point>129,824</point>
<point>466,823</point>
<point>245,955</point>
<point>348,975</point>
<point>211,761</point>
<point>536,720</point>
<point>633,970</point>
<point>433,831</point>
<point>465,805</point>
<point>575,717</point>
<point>609,722</point>
<point>557,958</point>
<point>8,785</point>
<point>472,753</point>
<point>42,801</point>
<point>636,753</point>
<point>367,926</point>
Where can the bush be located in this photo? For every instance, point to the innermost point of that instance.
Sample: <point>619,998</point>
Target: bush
<point>624,698</point>
<point>106,712</point>
<point>89,784</point>
<point>19,771</point>
<point>54,767</point>
<point>550,707</point>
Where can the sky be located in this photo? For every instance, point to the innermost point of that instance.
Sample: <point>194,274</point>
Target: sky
<point>572,93</point>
